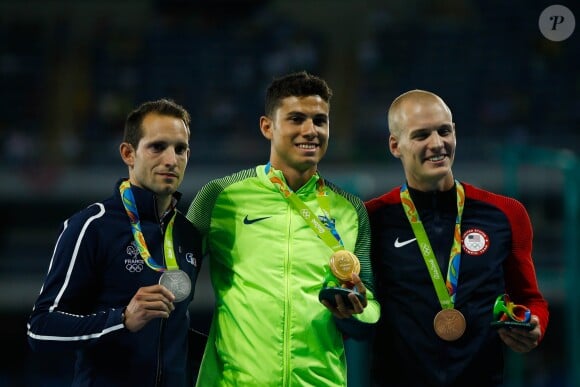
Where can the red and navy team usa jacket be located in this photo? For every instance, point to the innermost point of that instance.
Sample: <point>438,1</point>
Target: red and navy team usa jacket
<point>496,236</point>
<point>94,272</point>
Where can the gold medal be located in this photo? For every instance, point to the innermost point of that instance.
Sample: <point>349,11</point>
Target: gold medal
<point>449,324</point>
<point>343,264</point>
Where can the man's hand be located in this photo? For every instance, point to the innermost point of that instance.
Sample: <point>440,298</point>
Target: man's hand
<point>342,310</point>
<point>148,303</point>
<point>522,340</point>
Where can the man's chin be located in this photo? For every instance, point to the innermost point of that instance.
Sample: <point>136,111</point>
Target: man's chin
<point>437,174</point>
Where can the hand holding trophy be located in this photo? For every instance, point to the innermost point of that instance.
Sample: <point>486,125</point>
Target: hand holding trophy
<point>342,265</point>
<point>508,314</point>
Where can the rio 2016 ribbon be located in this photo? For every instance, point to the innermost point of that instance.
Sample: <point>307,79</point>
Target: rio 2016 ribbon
<point>176,280</point>
<point>449,323</point>
<point>342,263</point>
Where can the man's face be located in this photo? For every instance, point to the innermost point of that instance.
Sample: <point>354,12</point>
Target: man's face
<point>298,132</point>
<point>158,164</point>
<point>425,144</point>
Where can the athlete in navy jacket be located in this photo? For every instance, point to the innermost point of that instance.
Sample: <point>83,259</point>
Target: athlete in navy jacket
<point>101,296</point>
<point>490,245</point>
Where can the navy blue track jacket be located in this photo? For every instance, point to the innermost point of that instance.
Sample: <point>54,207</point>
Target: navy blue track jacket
<point>496,258</point>
<point>94,272</point>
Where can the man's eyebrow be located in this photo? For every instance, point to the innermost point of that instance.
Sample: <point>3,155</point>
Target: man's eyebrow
<point>156,142</point>
<point>302,114</point>
<point>295,113</point>
<point>421,130</point>
<point>431,128</point>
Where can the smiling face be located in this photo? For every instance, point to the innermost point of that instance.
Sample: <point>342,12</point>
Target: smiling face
<point>158,164</point>
<point>298,132</point>
<point>423,137</point>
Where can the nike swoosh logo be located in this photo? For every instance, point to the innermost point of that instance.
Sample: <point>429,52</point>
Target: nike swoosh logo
<point>250,221</point>
<point>404,243</point>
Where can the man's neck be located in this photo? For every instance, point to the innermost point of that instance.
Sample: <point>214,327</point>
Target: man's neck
<point>296,179</point>
<point>163,204</point>
<point>440,185</point>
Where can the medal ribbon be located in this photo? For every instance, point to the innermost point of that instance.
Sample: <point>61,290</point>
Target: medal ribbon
<point>447,289</point>
<point>327,233</point>
<point>131,208</point>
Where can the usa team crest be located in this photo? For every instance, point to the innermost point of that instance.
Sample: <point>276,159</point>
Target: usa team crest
<point>474,241</point>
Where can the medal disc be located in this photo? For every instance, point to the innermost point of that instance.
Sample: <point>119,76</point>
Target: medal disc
<point>343,264</point>
<point>178,282</point>
<point>449,324</point>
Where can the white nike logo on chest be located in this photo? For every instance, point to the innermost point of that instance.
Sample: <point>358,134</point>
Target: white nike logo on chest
<point>404,243</point>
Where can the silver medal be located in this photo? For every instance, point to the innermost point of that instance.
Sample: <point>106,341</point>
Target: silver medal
<point>178,282</point>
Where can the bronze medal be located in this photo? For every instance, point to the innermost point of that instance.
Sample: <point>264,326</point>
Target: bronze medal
<point>343,264</point>
<point>178,282</point>
<point>449,324</point>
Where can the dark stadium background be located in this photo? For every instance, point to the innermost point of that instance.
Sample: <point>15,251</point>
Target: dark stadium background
<point>71,70</point>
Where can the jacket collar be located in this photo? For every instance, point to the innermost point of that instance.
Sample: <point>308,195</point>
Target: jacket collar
<point>146,203</point>
<point>444,201</point>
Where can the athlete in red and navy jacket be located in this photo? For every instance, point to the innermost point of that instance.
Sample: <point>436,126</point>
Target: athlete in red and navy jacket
<point>436,324</point>
<point>498,261</point>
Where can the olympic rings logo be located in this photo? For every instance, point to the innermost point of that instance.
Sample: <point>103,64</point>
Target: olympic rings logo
<point>134,267</point>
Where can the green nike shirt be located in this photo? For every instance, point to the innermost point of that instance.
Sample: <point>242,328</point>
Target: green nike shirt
<point>267,267</point>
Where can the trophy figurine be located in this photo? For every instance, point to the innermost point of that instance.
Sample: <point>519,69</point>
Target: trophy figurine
<point>342,265</point>
<point>508,314</point>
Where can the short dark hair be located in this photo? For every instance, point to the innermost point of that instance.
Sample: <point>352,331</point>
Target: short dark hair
<point>164,107</point>
<point>298,84</point>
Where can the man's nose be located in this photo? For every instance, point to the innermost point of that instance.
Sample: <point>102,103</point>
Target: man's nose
<point>309,128</point>
<point>170,156</point>
<point>435,140</point>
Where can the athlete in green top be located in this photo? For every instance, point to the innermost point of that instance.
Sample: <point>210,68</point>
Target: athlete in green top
<point>267,235</point>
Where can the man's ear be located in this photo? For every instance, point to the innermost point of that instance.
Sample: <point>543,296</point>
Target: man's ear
<point>266,126</point>
<point>127,153</point>
<point>394,146</point>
